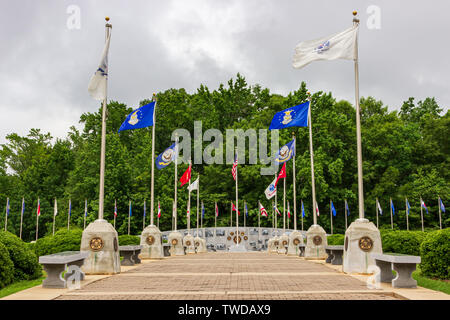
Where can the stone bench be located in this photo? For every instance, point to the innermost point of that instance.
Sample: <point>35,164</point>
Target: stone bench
<point>335,254</point>
<point>404,265</point>
<point>166,249</point>
<point>55,264</point>
<point>130,255</point>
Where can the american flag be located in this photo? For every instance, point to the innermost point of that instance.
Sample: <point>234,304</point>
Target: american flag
<point>115,208</point>
<point>234,168</point>
<point>217,210</point>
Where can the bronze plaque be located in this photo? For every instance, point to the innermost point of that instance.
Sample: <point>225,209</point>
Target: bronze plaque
<point>242,233</point>
<point>239,239</point>
<point>346,243</point>
<point>96,244</point>
<point>174,242</point>
<point>296,241</point>
<point>317,240</point>
<point>275,243</point>
<point>245,238</point>
<point>231,233</point>
<point>197,243</point>
<point>116,245</point>
<point>188,243</point>
<point>228,238</point>
<point>365,244</point>
<point>150,240</point>
<point>285,242</point>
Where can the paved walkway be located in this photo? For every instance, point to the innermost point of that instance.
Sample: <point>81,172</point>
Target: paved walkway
<point>229,276</point>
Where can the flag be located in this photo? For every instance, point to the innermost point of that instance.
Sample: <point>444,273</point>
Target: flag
<point>277,211</point>
<point>203,210</point>
<point>246,209</point>
<point>441,204</point>
<point>262,210</point>
<point>174,210</point>
<point>379,208</point>
<point>130,213</point>
<point>186,176</point>
<point>347,208</point>
<point>115,208</point>
<point>188,213</point>
<point>70,208</point>
<point>392,206</point>
<point>303,210</point>
<point>233,208</point>
<point>169,155</point>
<point>281,174</point>
<point>288,212</point>
<point>286,152</point>
<point>296,116</point>
<point>271,190</point>
<point>23,207</point>
<point>85,207</point>
<point>193,186</point>
<point>159,210</point>
<point>234,168</point>
<point>341,45</point>
<point>55,209</point>
<point>333,209</point>
<point>408,206</point>
<point>39,208</point>
<point>423,205</point>
<point>97,84</point>
<point>140,118</point>
<point>7,207</point>
<point>317,209</point>
<point>217,210</point>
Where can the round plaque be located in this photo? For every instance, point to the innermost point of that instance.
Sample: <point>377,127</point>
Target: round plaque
<point>365,244</point>
<point>245,238</point>
<point>197,243</point>
<point>275,243</point>
<point>231,233</point>
<point>285,242</point>
<point>116,245</point>
<point>346,243</point>
<point>150,240</point>
<point>317,240</point>
<point>239,239</point>
<point>242,233</point>
<point>188,243</point>
<point>96,244</point>
<point>174,242</point>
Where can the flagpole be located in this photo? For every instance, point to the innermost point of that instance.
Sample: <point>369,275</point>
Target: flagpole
<point>129,211</point>
<point>392,218</point>
<point>284,204</point>
<point>201,217</point>
<point>115,208</point>
<point>331,218</point>
<point>259,222</point>
<point>54,216</point>
<point>439,205</point>
<point>189,200</point>
<point>37,221</point>
<point>421,213</point>
<point>312,162</point>
<point>345,214</point>
<point>288,216</point>
<point>152,203</point>
<point>376,209</point>
<point>275,212</point>
<point>103,142</point>
<point>407,222</point>
<point>6,214</point>
<point>293,178</point>
<point>176,179</point>
<point>68,217</point>
<point>302,214</point>
<point>198,199</point>
<point>85,212</point>
<point>143,219</point>
<point>21,218</point>
<point>273,216</point>
<point>215,219</point>
<point>245,213</point>
<point>231,214</point>
<point>237,205</point>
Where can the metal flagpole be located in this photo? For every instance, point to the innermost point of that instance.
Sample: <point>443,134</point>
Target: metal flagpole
<point>392,219</point>
<point>358,129</point>
<point>37,221</point>
<point>189,201</point>
<point>275,212</point>
<point>54,216</point>
<point>259,222</point>
<point>174,213</point>
<point>21,217</point>
<point>237,205</point>
<point>293,178</point>
<point>312,162</point>
<point>288,218</point>
<point>68,215</point>
<point>103,142</point>
<point>302,215</point>
<point>215,219</point>
<point>331,218</point>
<point>376,209</point>
<point>406,211</point>
<point>284,204</point>
<point>129,211</point>
<point>231,213</point>
<point>245,213</point>
<point>273,216</point>
<point>85,212</point>
<point>198,200</point>
<point>153,162</point>
<point>143,219</point>
<point>345,214</point>
<point>201,217</point>
<point>421,213</point>
<point>115,208</point>
<point>440,219</point>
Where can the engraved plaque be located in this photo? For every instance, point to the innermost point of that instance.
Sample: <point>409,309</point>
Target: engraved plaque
<point>174,242</point>
<point>96,244</point>
<point>317,240</point>
<point>228,238</point>
<point>296,241</point>
<point>150,240</point>
<point>188,243</point>
<point>245,238</point>
<point>365,244</point>
<point>238,239</point>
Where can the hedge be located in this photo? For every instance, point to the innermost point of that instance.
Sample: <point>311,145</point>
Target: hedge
<point>125,240</point>
<point>6,267</point>
<point>335,239</point>
<point>402,241</point>
<point>26,266</point>
<point>435,254</point>
<point>63,240</point>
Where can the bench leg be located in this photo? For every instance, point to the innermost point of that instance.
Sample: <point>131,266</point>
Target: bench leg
<point>79,264</point>
<point>404,275</point>
<point>337,258</point>
<point>385,270</point>
<point>135,256</point>
<point>54,278</point>
<point>127,258</point>
<point>330,256</point>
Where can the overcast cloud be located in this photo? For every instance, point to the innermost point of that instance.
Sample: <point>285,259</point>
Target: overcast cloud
<point>156,45</point>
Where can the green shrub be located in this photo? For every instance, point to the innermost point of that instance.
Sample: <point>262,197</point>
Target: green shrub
<point>336,240</point>
<point>435,254</point>
<point>402,241</point>
<point>63,240</point>
<point>126,240</point>
<point>31,245</point>
<point>6,267</point>
<point>26,265</point>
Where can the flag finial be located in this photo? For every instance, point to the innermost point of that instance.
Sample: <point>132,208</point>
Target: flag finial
<point>107,18</point>
<point>355,13</point>
<point>356,20</point>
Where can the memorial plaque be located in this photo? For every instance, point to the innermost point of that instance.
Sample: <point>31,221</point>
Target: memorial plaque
<point>296,241</point>
<point>242,233</point>
<point>188,243</point>
<point>96,244</point>
<point>285,242</point>
<point>150,240</point>
<point>238,239</point>
<point>231,233</point>
<point>228,238</point>
<point>174,242</point>
<point>346,243</point>
<point>116,245</point>
<point>245,238</point>
<point>365,244</point>
<point>317,240</point>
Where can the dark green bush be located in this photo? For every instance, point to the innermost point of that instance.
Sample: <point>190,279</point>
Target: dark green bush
<point>435,254</point>
<point>402,241</point>
<point>6,267</point>
<point>26,266</point>
<point>63,240</point>
<point>335,239</point>
<point>126,240</point>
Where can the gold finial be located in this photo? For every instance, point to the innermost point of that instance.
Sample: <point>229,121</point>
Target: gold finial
<point>355,13</point>
<point>107,18</point>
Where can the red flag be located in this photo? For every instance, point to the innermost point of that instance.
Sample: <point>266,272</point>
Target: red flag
<point>282,174</point>
<point>186,176</point>
<point>159,210</point>
<point>262,210</point>
<point>233,208</point>
<point>234,168</point>
<point>39,208</point>
<point>217,210</point>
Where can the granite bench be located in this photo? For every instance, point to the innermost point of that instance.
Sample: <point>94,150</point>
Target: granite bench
<point>130,255</point>
<point>55,264</point>
<point>335,254</point>
<point>404,265</point>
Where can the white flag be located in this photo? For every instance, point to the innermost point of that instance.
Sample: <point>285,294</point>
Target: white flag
<point>379,208</point>
<point>271,189</point>
<point>55,210</point>
<point>193,185</point>
<point>97,84</point>
<point>338,46</point>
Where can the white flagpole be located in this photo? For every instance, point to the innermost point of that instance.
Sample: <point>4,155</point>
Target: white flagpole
<point>358,130</point>
<point>115,206</point>
<point>392,218</point>
<point>331,218</point>
<point>245,213</point>
<point>293,178</point>
<point>259,221</point>
<point>129,206</point>
<point>189,201</point>
<point>345,214</point>
<point>231,214</point>
<point>201,217</point>
<point>143,219</point>
<point>376,209</point>
<point>421,213</point>
<point>237,205</point>
<point>439,205</point>
<point>103,142</point>
<point>406,211</point>
<point>6,214</point>
<point>215,219</point>
<point>312,162</point>
<point>198,200</point>
<point>37,221</point>
<point>85,213</point>
<point>176,181</point>
<point>152,203</point>
<point>284,205</point>
<point>68,216</point>
<point>275,212</point>
<point>54,216</point>
<point>273,216</point>
<point>302,215</point>
<point>21,217</point>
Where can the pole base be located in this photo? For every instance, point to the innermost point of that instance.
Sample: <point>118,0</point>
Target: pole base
<point>295,238</point>
<point>316,241</point>
<point>151,243</point>
<point>176,244</point>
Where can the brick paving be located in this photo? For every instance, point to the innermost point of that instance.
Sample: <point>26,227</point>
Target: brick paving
<point>228,276</point>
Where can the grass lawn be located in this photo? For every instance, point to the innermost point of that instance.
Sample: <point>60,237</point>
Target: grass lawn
<point>438,285</point>
<point>19,286</point>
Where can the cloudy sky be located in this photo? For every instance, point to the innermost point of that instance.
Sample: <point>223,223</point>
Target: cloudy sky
<point>48,56</point>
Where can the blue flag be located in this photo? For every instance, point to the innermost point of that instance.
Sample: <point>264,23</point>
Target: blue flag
<point>70,208</point>
<point>408,206</point>
<point>286,152</point>
<point>129,212</point>
<point>392,206</point>
<point>347,209</point>
<point>85,208</point>
<point>7,207</point>
<point>165,158</point>
<point>441,204</point>
<point>139,118</point>
<point>333,209</point>
<point>246,210</point>
<point>303,210</point>
<point>23,206</point>
<point>203,210</point>
<point>144,209</point>
<point>296,116</point>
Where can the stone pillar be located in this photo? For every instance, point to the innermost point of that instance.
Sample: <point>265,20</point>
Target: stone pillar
<point>151,243</point>
<point>316,241</point>
<point>176,244</point>
<point>295,238</point>
<point>284,241</point>
<point>188,242</point>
